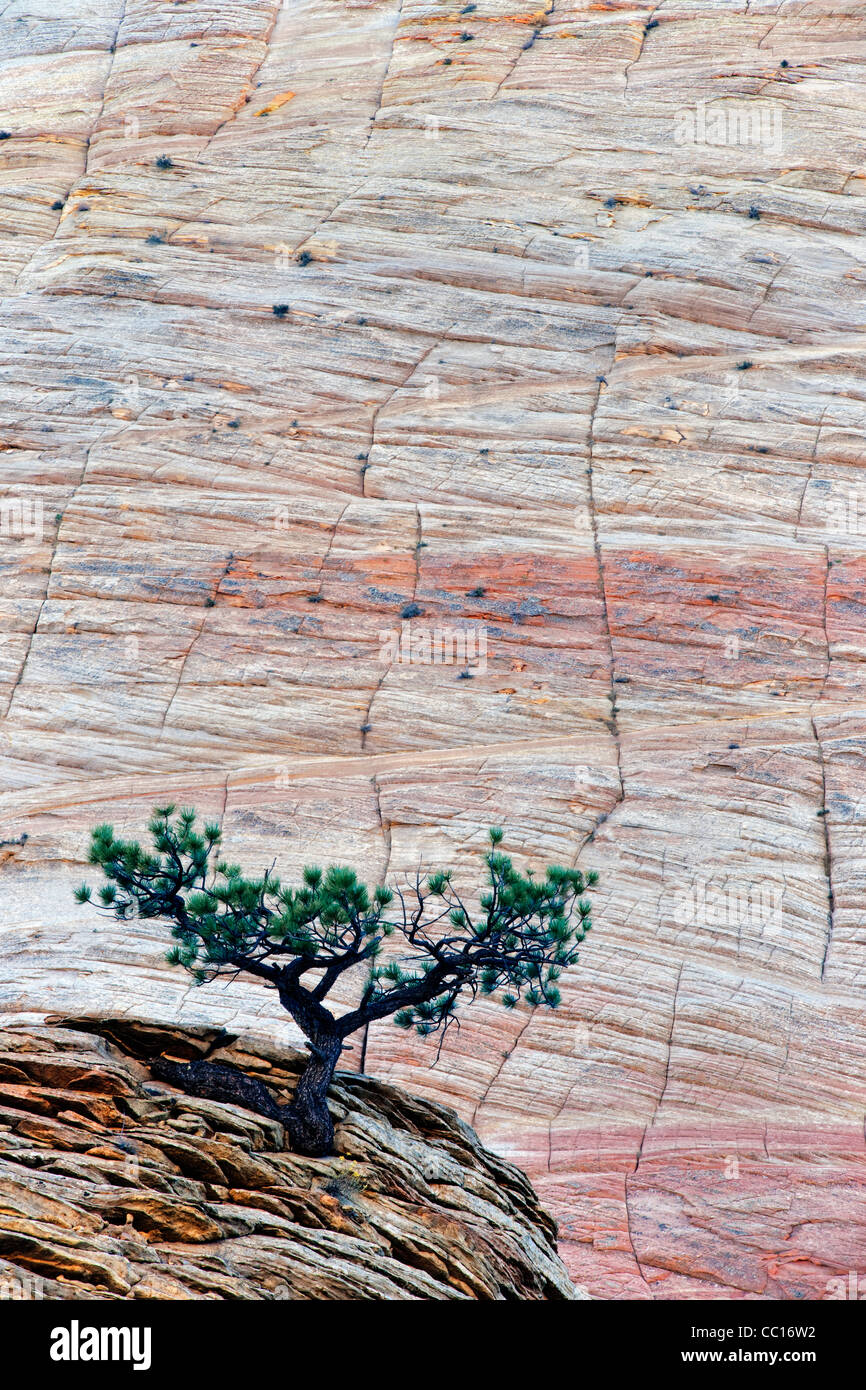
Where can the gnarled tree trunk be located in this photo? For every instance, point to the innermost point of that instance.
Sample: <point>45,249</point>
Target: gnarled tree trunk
<point>307,1119</point>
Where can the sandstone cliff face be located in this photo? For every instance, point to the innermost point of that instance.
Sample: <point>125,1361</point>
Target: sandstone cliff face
<point>555,361</point>
<point>116,1186</point>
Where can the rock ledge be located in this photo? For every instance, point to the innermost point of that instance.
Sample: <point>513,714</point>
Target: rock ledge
<point>114,1186</point>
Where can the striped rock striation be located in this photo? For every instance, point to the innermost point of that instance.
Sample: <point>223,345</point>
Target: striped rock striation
<point>547,326</point>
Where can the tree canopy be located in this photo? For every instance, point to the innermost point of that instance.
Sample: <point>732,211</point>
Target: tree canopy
<point>301,939</point>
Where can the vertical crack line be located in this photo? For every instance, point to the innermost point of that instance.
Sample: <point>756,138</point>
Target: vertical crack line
<point>76,489</point>
<point>35,629</point>
<point>201,627</point>
<point>386,837</point>
<point>112,50</point>
<point>545,21</point>
<point>826,628</point>
<point>385,828</point>
<point>798,523</point>
<point>185,659</point>
<point>330,546</point>
<point>560,1112</point>
<point>613,723</point>
<point>385,75</point>
<point>643,38</point>
<point>383,405</point>
<point>828,861</point>
<point>112,54</point>
<point>323,221</point>
<point>365,727</point>
<point>248,87</point>
<point>418,539</point>
<point>631,1174</point>
<point>493,1080</point>
<point>664,1088</point>
<point>628,1178</point>
<point>20,676</point>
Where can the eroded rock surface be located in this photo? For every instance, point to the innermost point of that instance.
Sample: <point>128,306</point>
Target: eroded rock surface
<point>116,1186</point>
<point>544,364</point>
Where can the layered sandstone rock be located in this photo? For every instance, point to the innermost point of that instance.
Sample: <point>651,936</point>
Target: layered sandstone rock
<point>571,317</point>
<point>114,1186</point>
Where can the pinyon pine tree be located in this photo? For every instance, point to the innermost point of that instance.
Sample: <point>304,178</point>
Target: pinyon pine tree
<point>299,941</point>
